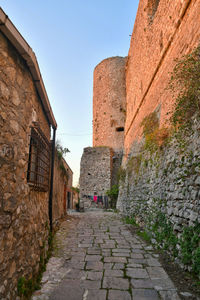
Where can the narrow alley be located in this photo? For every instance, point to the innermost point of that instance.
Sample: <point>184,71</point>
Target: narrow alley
<point>97,257</point>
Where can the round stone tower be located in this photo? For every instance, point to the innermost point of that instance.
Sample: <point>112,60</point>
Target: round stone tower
<point>109,103</point>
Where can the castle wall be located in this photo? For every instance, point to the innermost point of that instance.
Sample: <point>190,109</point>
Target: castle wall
<point>95,173</point>
<point>163,31</point>
<point>109,103</point>
<point>159,184</point>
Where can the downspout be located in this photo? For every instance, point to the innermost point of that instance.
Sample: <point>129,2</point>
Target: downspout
<point>51,179</point>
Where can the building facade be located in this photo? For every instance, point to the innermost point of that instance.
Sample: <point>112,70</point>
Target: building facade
<point>26,162</point>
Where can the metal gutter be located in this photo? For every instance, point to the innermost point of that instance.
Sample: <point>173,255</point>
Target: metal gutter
<point>17,40</point>
<point>51,180</point>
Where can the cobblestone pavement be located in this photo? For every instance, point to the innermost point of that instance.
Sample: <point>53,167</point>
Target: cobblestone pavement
<point>97,258</point>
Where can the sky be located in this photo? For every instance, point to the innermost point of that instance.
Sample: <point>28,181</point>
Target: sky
<point>69,39</point>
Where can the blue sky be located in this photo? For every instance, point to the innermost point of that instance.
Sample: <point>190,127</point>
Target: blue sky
<point>69,39</point>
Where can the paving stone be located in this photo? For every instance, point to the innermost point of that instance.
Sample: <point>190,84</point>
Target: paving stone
<point>75,274</point>
<point>115,259</point>
<point>145,294</point>
<point>99,241</point>
<point>137,261</point>
<point>134,266</point>
<point>113,273</point>
<point>118,266</point>
<point>78,253</point>
<point>84,245</point>
<point>142,283</point>
<point>69,289</point>
<point>137,273</point>
<point>124,254</point>
<point>78,265</point>
<point>93,257</point>
<point>94,251</point>
<point>137,255</point>
<point>115,283</point>
<point>95,294</point>
<point>157,272</point>
<point>169,295</point>
<point>70,277</point>
<point>106,253</point>
<point>134,240</point>
<point>114,229</point>
<point>137,250</point>
<point>89,284</point>
<point>94,275</point>
<point>93,265</point>
<point>121,250</point>
<point>107,246</point>
<point>118,295</point>
<point>77,259</point>
<point>163,284</point>
<point>123,246</point>
<point>152,262</point>
<point>138,246</point>
<point>108,266</point>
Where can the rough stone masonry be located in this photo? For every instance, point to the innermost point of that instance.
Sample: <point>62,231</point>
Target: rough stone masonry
<point>95,174</point>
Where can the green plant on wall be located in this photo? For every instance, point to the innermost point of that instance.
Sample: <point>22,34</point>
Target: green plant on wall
<point>185,86</point>
<point>121,174</point>
<point>154,136</point>
<point>134,164</point>
<point>190,247</point>
<point>150,123</point>
<point>61,151</point>
<point>113,194</point>
<point>158,227</point>
<point>25,287</point>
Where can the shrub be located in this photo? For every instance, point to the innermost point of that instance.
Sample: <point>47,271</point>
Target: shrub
<point>113,194</point>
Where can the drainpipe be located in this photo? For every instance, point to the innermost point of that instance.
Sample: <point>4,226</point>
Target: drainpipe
<point>51,179</point>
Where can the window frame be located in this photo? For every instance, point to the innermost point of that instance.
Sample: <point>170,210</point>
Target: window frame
<point>38,172</point>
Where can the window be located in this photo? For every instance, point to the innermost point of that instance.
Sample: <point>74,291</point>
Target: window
<point>120,129</point>
<point>39,160</point>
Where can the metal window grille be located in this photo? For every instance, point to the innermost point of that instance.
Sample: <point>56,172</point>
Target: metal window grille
<point>39,160</point>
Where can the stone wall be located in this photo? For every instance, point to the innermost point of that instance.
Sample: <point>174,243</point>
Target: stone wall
<point>95,173</point>
<point>62,185</point>
<point>171,175</point>
<point>161,190</point>
<point>24,220</point>
<point>69,187</point>
<point>163,183</point>
<point>109,103</point>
